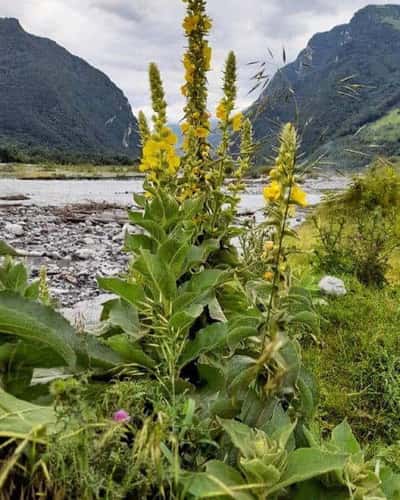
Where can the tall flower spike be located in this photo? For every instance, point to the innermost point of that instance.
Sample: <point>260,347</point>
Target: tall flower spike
<point>144,129</point>
<point>197,62</point>
<point>160,160</point>
<point>159,103</point>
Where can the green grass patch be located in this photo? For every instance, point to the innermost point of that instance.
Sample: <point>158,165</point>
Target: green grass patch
<point>48,171</point>
<point>357,362</point>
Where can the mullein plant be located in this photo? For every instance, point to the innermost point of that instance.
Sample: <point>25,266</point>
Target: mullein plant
<point>198,170</point>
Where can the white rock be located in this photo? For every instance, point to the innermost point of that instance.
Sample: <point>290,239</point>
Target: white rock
<point>14,229</point>
<point>89,241</point>
<point>85,254</point>
<point>329,285</point>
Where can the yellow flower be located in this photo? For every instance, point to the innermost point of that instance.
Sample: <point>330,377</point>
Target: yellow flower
<point>190,23</point>
<point>274,173</point>
<point>268,276</point>
<point>221,111</point>
<point>268,246</point>
<point>273,191</point>
<point>237,121</point>
<point>185,127</point>
<point>201,132</point>
<point>151,148</point>
<point>169,137</point>
<point>298,196</point>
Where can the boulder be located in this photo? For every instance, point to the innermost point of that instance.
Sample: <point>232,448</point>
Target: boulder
<point>14,229</point>
<point>335,287</point>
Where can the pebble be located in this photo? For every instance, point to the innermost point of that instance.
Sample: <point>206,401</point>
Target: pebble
<point>14,229</point>
<point>73,253</point>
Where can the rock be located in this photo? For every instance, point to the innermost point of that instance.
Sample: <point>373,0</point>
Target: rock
<point>329,285</point>
<point>14,229</point>
<point>85,254</point>
<point>88,241</point>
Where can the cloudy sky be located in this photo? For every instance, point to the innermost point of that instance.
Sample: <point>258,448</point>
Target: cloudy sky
<point>121,37</point>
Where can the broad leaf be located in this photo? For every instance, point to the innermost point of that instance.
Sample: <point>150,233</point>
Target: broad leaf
<point>19,417</point>
<point>35,322</point>
<point>219,481</point>
<point>206,340</point>
<point>132,293</point>
<point>307,463</point>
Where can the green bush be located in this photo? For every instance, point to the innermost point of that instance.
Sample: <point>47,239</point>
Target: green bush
<point>359,230</point>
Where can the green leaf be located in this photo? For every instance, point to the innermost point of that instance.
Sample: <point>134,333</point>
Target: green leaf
<point>153,228</point>
<point>205,280</point>
<point>258,472</point>
<point>33,321</point>
<point>174,253</point>
<point>307,463</point>
<point>6,250</point>
<point>344,440</point>
<point>206,340</point>
<point>218,481</point>
<point>132,293</point>
<point>20,417</point>
<point>159,277</point>
<point>32,291</point>
<point>14,277</point>
<point>134,242</point>
<point>314,490</point>
<point>241,435</point>
<point>199,254</point>
<point>94,354</point>
<point>129,351</point>
<point>123,314</point>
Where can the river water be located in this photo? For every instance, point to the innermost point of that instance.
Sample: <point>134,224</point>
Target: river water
<point>65,192</point>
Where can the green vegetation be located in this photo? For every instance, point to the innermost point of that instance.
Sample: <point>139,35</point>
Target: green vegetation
<point>53,171</point>
<point>197,384</point>
<point>56,107</point>
<point>356,361</point>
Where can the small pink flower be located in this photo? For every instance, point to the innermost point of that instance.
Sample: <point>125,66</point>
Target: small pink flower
<point>121,416</point>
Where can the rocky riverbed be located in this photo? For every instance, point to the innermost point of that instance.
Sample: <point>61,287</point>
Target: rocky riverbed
<point>76,243</point>
<point>76,229</point>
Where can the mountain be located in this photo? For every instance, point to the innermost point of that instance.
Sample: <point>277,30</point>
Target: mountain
<point>52,100</point>
<point>343,91</point>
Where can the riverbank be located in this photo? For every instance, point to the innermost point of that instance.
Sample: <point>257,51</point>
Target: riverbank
<point>61,172</point>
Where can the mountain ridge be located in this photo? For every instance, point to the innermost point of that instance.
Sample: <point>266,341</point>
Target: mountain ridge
<point>51,99</point>
<point>345,79</point>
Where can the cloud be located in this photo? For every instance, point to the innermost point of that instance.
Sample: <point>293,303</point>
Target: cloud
<point>121,37</point>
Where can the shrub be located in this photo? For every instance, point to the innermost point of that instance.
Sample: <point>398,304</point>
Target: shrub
<point>359,231</point>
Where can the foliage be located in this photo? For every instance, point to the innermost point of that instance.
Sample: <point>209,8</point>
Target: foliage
<point>356,363</point>
<point>56,106</point>
<point>359,230</point>
<point>196,386</point>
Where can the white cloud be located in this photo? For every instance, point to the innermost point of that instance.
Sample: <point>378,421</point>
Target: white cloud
<point>121,37</point>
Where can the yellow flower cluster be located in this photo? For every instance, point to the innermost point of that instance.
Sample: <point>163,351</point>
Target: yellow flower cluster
<point>283,174</point>
<point>159,154</point>
<point>237,121</point>
<point>298,196</point>
<point>273,191</point>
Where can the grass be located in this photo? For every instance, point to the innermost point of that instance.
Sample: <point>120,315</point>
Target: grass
<point>357,362</point>
<point>356,357</point>
<point>53,171</point>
